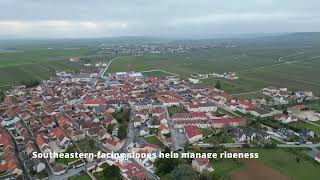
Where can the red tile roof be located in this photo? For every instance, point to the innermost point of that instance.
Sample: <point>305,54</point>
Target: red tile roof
<point>40,140</point>
<point>99,101</point>
<point>192,131</point>
<point>150,145</point>
<point>227,120</point>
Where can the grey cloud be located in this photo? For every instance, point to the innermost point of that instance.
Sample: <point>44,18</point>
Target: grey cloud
<point>175,18</point>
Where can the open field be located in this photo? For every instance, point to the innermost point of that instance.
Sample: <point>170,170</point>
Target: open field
<point>38,71</point>
<point>292,61</point>
<point>226,167</point>
<point>256,170</point>
<point>283,165</point>
<point>16,58</point>
<point>36,64</point>
<point>257,67</point>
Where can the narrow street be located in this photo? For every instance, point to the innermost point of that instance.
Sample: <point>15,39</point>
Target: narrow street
<point>26,174</point>
<point>179,139</point>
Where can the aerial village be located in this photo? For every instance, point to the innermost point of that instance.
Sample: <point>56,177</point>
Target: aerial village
<point>128,112</point>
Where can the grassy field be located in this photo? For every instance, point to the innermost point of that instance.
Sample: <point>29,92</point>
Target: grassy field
<point>285,162</point>
<point>36,64</point>
<point>305,125</point>
<point>26,72</point>
<point>17,58</point>
<point>257,67</point>
<point>225,167</point>
<point>258,64</point>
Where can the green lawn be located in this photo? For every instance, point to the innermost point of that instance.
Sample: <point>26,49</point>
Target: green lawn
<point>206,131</point>
<point>305,125</point>
<point>285,162</point>
<point>224,112</point>
<point>154,140</point>
<point>40,175</point>
<point>296,126</point>
<point>219,138</point>
<point>176,109</point>
<point>317,122</point>
<point>88,145</point>
<point>67,160</point>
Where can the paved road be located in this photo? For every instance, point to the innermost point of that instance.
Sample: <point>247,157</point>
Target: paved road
<point>298,145</point>
<point>70,173</point>
<point>178,139</point>
<point>26,174</point>
<point>253,92</point>
<point>227,145</point>
<point>283,57</point>
<point>235,145</point>
<point>312,123</point>
<point>278,64</point>
<point>106,68</point>
<point>152,70</point>
<point>131,134</point>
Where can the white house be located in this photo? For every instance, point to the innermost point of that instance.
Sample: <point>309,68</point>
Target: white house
<point>8,122</point>
<point>317,157</point>
<point>202,165</point>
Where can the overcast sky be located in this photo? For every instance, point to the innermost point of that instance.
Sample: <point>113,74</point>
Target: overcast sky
<point>168,18</point>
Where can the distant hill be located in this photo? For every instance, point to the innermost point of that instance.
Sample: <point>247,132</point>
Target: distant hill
<point>276,40</point>
<point>288,40</point>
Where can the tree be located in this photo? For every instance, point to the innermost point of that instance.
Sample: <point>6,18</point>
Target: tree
<point>32,83</point>
<point>168,135</point>
<point>218,85</point>
<point>196,148</point>
<point>155,121</point>
<point>110,128</point>
<point>92,143</point>
<point>1,96</point>
<point>184,172</point>
<point>122,133</point>
<point>165,165</point>
<point>111,172</point>
<point>285,110</point>
<point>213,140</point>
<point>204,176</point>
<point>186,146</point>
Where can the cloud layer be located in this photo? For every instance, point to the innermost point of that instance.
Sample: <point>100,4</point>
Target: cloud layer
<point>171,18</point>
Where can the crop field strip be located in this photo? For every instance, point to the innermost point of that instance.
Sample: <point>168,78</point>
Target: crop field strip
<point>252,77</point>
